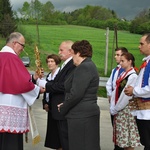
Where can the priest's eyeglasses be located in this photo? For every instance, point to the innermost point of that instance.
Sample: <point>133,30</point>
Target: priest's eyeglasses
<point>23,45</point>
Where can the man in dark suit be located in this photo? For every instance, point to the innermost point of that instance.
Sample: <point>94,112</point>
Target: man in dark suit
<point>56,90</point>
<point>80,105</point>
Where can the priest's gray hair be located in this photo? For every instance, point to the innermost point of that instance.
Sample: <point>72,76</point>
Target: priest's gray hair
<point>13,37</point>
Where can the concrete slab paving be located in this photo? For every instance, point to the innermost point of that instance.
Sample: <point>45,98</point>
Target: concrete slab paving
<point>105,126</point>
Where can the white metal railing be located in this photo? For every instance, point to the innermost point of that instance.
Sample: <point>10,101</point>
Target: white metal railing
<point>102,81</point>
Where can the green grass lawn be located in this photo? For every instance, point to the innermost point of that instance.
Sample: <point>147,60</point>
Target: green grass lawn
<point>52,36</point>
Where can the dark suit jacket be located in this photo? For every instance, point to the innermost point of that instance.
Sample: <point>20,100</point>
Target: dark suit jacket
<point>81,91</point>
<point>56,89</point>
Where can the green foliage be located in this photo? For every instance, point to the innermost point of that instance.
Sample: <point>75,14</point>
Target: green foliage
<point>7,25</point>
<point>141,23</point>
<point>44,13</point>
<point>93,16</point>
<point>123,25</point>
<point>31,11</point>
<point>144,28</point>
<point>96,12</point>
<point>7,22</point>
<point>48,8</point>
<point>25,11</point>
<point>111,23</point>
<point>141,28</point>
<point>101,92</point>
<point>5,9</point>
<point>28,36</point>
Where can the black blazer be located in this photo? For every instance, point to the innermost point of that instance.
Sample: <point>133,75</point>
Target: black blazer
<point>57,90</point>
<point>44,95</point>
<point>81,91</point>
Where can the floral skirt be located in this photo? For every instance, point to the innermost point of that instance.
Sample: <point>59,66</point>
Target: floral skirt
<point>125,131</point>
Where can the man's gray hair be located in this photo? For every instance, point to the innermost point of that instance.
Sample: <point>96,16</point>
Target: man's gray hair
<point>13,36</point>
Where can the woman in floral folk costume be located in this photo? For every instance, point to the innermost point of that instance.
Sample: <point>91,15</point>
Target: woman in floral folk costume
<point>125,132</point>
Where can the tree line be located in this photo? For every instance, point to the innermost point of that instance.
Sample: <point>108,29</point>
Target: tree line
<point>44,13</point>
<point>93,16</point>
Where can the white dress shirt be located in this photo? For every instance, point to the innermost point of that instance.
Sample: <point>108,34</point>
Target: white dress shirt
<point>144,92</point>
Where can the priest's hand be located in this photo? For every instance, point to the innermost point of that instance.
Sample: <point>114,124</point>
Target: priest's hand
<point>42,90</point>
<point>38,74</point>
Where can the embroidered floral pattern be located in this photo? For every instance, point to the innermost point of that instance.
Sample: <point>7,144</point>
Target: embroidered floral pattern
<point>125,129</point>
<point>123,83</point>
<point>13,119</point>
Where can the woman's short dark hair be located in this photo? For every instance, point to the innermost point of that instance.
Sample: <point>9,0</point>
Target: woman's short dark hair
<point>83,47</point>
<point>55,57</point>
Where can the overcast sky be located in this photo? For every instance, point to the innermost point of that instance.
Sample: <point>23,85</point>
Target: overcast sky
<point>124,8</point>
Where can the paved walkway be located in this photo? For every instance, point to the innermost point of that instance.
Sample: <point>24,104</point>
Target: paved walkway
<point>105,126</point>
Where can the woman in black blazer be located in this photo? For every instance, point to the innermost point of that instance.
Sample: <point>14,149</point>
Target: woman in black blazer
<point>80,105</point>
<point>52,137</point>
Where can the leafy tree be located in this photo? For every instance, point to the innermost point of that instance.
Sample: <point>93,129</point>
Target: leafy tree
<point>140,24</point>
<point>7,21</point>
<point>101,13</point>
<point>111,23</point>
<point>36,7</point>
<point>47,11</point>
<point>74,15</point>
<point>25,11</point>
<point>5,8</point>
<point>94,16</point>
<point>58,18</point>
<point>7,26</point>
<point>114,14</point>
<point>84,16</point>
<point>36,10</point>
<point>145,27</point>
<point>123,25</point>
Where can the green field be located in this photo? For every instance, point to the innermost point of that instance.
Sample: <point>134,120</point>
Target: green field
<point>52,35</point>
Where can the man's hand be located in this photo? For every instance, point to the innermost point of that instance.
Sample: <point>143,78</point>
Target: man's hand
<point>128,90</point>
<point>59,105</point>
